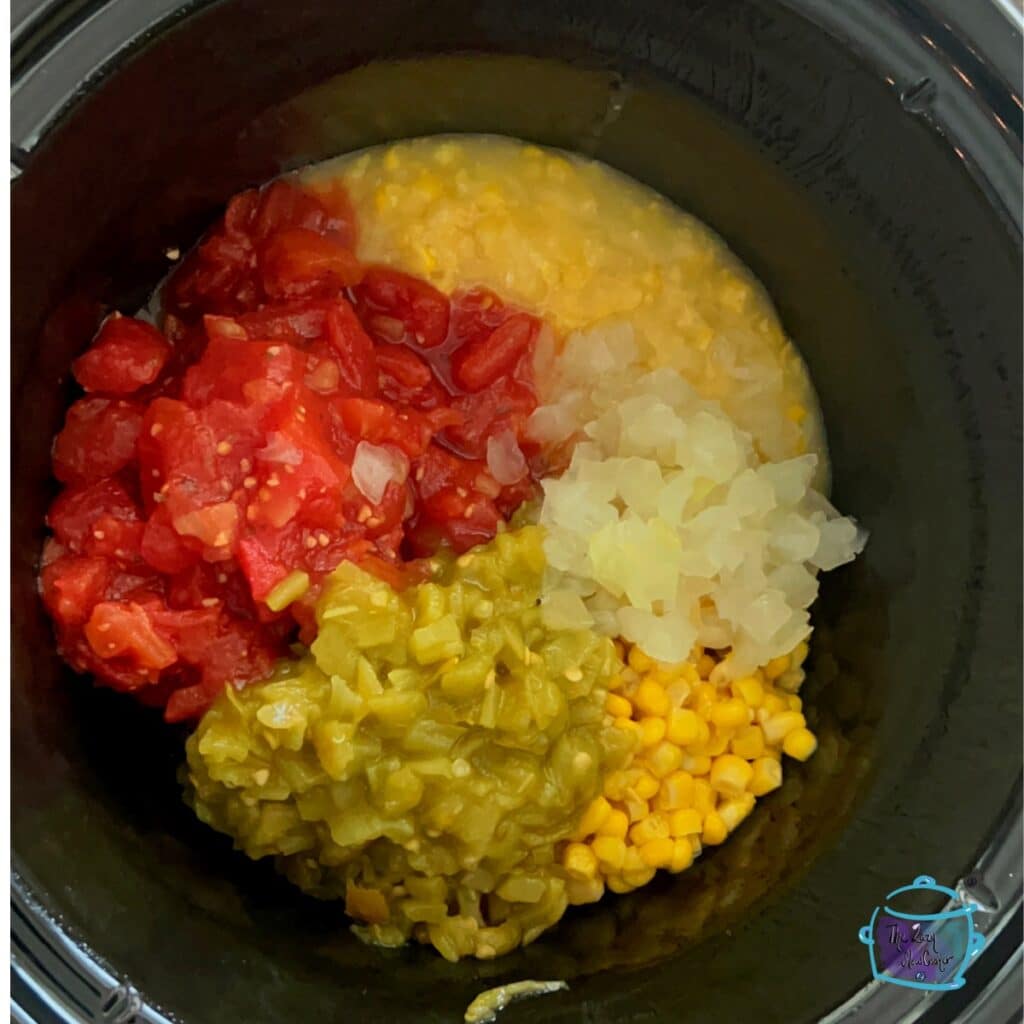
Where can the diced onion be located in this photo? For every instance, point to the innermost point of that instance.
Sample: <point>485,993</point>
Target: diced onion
<point>376,466</point>
<point>280,449</point>
<point>667,523</point>
<point>505,459</point>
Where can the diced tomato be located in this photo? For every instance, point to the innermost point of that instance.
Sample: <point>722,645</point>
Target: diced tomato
<point>453,514</point>
<point>236,654</point>
<point>123,629</point>
<point>240,653</point>
<point>356,359</point>
<point>189,631</point>
<point>294,322</point>
<point>241,213</point>
<point>341,216</point>
<point>188,703</point>
<point>217,277</point>
<point>325,209</point>
<point>126,355</point>
<point>381,423</point>
<point>281,205</point>
<point>298,471</point>
<point>401,367</point>
<point>245,372</point>
<point>72,585</point>
<point>163,547</point>
<point>405,379</point>
<point>323,372</point>
<point>117,539</point>
<point>397,307</point>
<point>232,468</point>
<point>505,405</point>
<point>203,582</point>
<point>74,514</point>
<point>214,526</point>
<point>260,565</point>
<point>479,363</point>
<point>190,459</point>
<point>297,262</point>
<point>98,440</point>
<point>475,314</point>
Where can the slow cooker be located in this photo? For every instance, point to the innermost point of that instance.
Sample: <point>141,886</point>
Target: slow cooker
<point>863,157</point>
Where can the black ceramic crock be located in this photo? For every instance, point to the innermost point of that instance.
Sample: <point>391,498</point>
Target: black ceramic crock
<point>864,158</point>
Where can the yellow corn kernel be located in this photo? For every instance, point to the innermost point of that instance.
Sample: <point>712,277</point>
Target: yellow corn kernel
<point>651,698</point>
<point>611,852</point>
<point>779,726</point>
<point>729,714</point>
<point>800,744</point>
<point>733,811</point>
<point>791,682</point>
<point>594,817</point>
<point>671,670</point>
<point>678,693</point>
<point>730,775</point>
<point>615,785</point>
<point>617,681</point>
<point>717,743</point>
<point>749,690</point>
<point>704,797</point>
<point>793,702</point>
<point>617,706</point>
<point>615,826</point>
<point>767,776</point>
<point>645,785</point>
<point>628,725</point>
<point>686,822</point>
<point>664,759</point>
<point>652,730</point>
<point>699,764</point>
<point>799,654</point>
<point>776,667</point>
<point>748,743</point>
<point>580,861</point>
<point>676,791</point>
<point>619,885</point>
<point>684,727</point>
<point>682,856</point>
<point>632,861</point>
<point>695,845</point>
<point>653,827</point>
<point>704,696</point>
<point>714,831</point>
<point>705,665</point>
<point>640,878</point>
<point>637,809</point>
<point>773,704</point>
<point>690,674</point>
<point>657,853</point>
<point>638,661</point>
<point>580,891</point>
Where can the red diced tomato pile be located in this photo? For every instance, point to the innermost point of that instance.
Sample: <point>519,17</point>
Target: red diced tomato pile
<point>297,409</point>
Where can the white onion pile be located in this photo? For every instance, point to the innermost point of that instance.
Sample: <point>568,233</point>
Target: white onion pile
<point>667,528</point>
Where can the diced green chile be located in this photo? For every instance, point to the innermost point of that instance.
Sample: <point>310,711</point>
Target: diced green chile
<point>426,747</point>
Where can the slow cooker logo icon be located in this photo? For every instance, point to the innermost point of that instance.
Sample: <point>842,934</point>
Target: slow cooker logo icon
<point>925,951</point>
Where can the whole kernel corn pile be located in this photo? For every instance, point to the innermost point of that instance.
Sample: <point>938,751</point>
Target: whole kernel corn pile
<point>704,754</point>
